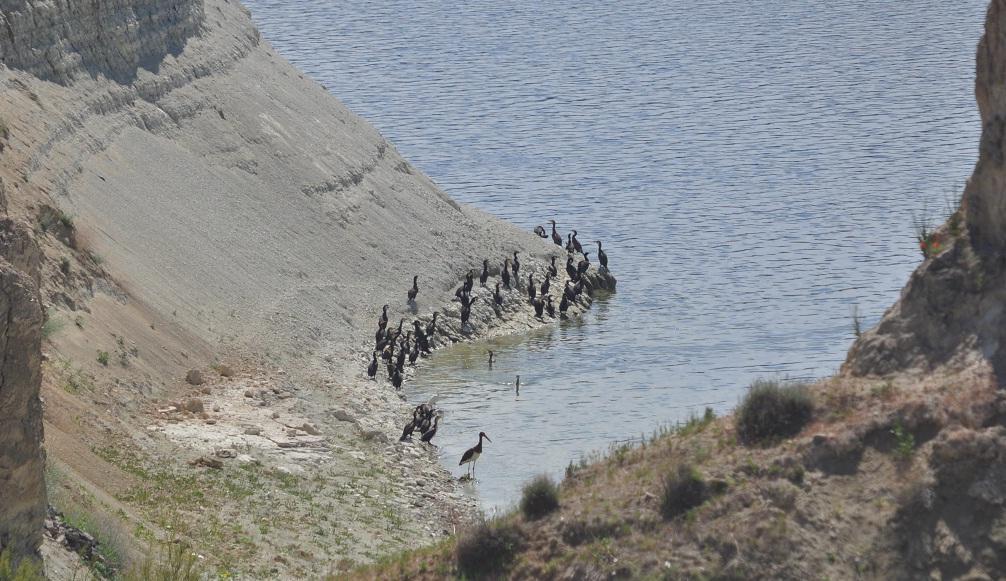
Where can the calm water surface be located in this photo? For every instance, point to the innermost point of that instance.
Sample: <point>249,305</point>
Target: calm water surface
<point>753,167</point>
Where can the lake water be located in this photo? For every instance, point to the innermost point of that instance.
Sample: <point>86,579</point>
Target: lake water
<point>754,168</point>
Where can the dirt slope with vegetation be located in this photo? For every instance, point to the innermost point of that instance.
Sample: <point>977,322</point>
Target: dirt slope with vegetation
<point>893,469</point>
<point>216,237</point>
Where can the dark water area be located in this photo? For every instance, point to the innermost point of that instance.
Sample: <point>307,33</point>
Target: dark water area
<point>754,169</point>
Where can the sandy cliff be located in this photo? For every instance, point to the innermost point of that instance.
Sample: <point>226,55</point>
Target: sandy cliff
<point>952,309</point>
<point>198,201</point>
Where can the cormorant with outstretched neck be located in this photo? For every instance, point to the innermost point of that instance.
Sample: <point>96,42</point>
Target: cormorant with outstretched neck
<point>576,243</point>
<point>505,275</point>
<point>556,238</point>
<point>384,316</point>
<point>414,290</point>
<point>472,454</point>
<point>549,307</point>
<point>516,267</point>
<point>531,290</point>
<point>552,270</point>
<point>428,435</point>
<point>583,265</point>
<point>545,286</point>
<point>498,296</point>
<point>601,256</point>
<point>372,368</point>
<point>570,269</point>
<point>540,231</point>
<point>485,273</point>
<point>394,335</point>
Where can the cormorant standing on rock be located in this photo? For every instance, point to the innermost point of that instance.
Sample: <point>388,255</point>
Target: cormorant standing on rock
<point>498,296</point>
<point>472,454</point>
<point>409,428</point>
<point>539,306</point>
<point>545,286</point>
<point>466,311</point>
<point>584,265</point>
<point>384,316</point>
<point>431,329</point>
<point>569,244</point>
<point>540,231</point>
<point>414,290</point>
<point>485,272</point>
<point>372,368</point>
<point>421,341</point>
<point>570,269</point>
<point>601,256</point>
<point>556,238</point>
<point>414,354</point>
<point>576,243</point>
<point>469,281</point>
<point>428,435</point>
<point>563,305</point>
<point>516,267</point>
<point>552,270</point>
<point>396,379</point>
<point>531,290</point>
<point>505,275</point>
<point>549,306</point>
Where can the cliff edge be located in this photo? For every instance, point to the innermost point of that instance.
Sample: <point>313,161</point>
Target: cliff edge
<point>951,312</point>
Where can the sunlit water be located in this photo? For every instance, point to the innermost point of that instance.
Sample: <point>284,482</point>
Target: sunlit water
<point>753,167</point>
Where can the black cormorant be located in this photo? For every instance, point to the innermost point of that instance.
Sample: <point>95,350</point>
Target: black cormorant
<point>414,290</point>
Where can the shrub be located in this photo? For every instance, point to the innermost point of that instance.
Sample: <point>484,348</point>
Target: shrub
<point>540,497</point>
<point>177,562</point>
<point>684,490</point>
<point>103,357</point>
<point>487,548</point>
<point>51,327</point>
<point>26,569</point>
<point>904,442</point>
<point>771,410</point>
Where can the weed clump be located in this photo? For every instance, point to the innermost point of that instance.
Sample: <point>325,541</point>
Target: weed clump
<point>103,357</point>
<point>684,489</point>
<point>771,410</point>
<point>177,562</point>
<point>540,497</point>
<point>487,548</point>
<point>25,569</point>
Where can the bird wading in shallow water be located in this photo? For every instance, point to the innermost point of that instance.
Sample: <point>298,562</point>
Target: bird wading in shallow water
<point>517,386</point>
<point>491,358</point>
<point>472,454</point>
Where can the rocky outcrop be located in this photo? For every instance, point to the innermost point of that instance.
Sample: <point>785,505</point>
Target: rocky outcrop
<point>953,308</point>
<point>57,40</point>
<point>23,501</point>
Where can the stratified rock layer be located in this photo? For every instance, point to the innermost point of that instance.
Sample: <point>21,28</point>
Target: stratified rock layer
<point>57,40</point>
<point>23,498</point>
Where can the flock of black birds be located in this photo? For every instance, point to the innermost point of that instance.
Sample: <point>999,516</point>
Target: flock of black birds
<point>394,348</point>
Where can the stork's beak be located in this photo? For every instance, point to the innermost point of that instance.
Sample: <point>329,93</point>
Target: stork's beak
<point>487,437</point>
